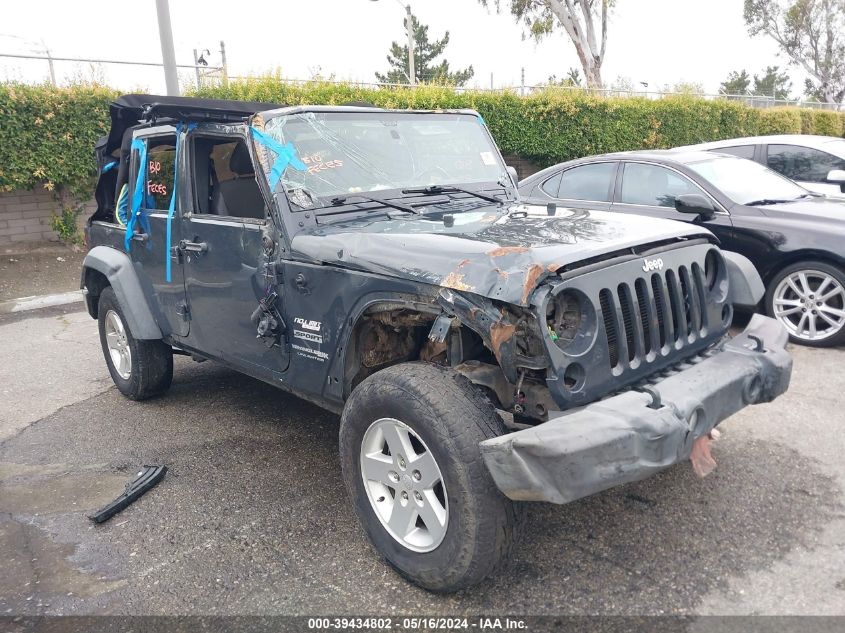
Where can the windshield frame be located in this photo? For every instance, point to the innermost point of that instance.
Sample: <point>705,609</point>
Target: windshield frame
<point>323,203</point>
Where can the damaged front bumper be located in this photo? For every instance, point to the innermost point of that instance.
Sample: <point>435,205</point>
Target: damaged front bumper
<point>637,433</point>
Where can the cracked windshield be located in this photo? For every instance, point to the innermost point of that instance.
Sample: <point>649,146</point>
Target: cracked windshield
<point>360,152</point>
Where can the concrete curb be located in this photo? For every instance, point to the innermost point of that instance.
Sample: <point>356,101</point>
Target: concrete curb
<point>23,304</point>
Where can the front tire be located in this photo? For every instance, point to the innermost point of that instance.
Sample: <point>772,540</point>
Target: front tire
<point>808,298</point>
<point>139,368</point>
<point>409,451</point>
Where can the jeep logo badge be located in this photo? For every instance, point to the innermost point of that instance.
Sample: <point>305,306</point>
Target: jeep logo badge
<point>652,264</point>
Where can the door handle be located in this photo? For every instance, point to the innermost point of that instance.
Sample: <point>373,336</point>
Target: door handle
<point>193,247</point>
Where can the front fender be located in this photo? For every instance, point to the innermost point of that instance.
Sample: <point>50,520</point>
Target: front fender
<point>118,269</point>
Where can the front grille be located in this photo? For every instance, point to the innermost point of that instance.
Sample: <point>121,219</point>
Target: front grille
<point>654,315</point>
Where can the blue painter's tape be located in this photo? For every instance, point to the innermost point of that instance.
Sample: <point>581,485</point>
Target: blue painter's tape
<point>138,195</point>
<point>109,166</point>
<point>481,120</point>
<point>285,155</point>
<point>172,207</point>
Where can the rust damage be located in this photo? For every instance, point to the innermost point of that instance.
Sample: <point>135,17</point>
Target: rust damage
<point>455,281</point>
<point>531,277</point>
<point>508,250</point>
<point>501,333</point>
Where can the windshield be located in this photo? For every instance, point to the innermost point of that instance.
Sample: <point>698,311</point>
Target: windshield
<point>345,153</point>
<point>744,181</point>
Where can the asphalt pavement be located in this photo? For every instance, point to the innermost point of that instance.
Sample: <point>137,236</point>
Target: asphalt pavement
<point>253,518</point>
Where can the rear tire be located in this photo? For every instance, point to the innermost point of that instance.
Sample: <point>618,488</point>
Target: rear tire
<point>140,369</point>
<point>463,529</point>
<point>808,298</point>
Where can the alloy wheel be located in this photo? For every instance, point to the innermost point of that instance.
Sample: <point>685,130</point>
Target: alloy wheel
<point>810,304</point>
<point>404,485</point>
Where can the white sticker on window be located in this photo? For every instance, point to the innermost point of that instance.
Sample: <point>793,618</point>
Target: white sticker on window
<point>487,158</point>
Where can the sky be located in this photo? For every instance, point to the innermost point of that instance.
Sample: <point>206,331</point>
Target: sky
<point>655,41</point>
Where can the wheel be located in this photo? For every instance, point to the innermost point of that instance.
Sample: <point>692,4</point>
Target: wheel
<point>140,368</point>
<point>409,452</point>
<point>809,299</point>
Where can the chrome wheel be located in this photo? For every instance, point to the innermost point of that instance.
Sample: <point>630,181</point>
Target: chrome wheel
<point>811,304</point>
<point>118,345</point>
<point>404,485</point>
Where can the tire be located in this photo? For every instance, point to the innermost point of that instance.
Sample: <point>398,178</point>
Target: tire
<point>140,369</point>
<point>811,318</point>
<point>449,417</point>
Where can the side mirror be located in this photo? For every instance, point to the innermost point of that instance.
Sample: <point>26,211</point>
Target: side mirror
<point>695,203</point>
<point>515,176</point>
<point>837,177</point>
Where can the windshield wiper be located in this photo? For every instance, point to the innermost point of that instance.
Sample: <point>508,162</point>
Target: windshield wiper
<point>388,203</point>
<point>433,190</point>
<point>764,201</point>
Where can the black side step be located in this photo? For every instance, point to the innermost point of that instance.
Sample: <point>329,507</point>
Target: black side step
<point>143,481</point>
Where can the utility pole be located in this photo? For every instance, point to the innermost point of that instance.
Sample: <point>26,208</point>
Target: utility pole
<point>223,64</point>
<point>522,83</point>
<point>52,70</point>
<point>168,56</point>
<point>412,71</point>
<point>491,80</point>
<point>197,68</point>
<point>409,26</point>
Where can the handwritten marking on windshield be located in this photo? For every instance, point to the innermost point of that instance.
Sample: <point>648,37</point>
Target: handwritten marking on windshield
<point>316,163</point>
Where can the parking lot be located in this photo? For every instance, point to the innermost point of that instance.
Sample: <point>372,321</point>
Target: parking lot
<point>253,518</point>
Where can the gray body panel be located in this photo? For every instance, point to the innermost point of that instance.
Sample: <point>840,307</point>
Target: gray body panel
<point>119,270</point>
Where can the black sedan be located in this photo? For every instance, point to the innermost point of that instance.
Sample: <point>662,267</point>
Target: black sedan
<point>795,238</point>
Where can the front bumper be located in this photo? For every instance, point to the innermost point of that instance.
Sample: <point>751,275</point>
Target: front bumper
<point>637,433</point>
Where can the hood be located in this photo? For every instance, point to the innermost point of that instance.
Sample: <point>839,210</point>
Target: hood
<point>487,251</point>
<point>822,209</point>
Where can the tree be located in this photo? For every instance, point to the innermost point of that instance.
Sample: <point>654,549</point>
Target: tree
<point>425,54</point>
<point>581,19</point>
<point>773,83</point>
<point>685,88</point>
<point>737,83</point>
<point>812,35</point>
<point>622,84</point>
<point>572,79</point>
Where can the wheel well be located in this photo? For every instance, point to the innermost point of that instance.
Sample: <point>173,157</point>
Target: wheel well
<point>95,283</point>
<point>800,256</point>
<point>385,335</point>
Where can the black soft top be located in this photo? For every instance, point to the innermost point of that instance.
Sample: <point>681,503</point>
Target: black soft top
<point>131,110</point>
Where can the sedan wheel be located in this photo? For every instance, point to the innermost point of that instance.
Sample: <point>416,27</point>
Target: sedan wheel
<point>811,305</point>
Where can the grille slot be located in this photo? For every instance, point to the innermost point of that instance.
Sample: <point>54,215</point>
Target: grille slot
<point>645,313</point>
<point>654,315</point>
<point>623,292</point>
<point>609,317</point>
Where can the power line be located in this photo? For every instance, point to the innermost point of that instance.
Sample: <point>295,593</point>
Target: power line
<point>103,61</point>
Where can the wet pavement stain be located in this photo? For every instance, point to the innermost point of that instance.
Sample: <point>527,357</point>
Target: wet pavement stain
<point>74,492</point>
<point>37,572</point>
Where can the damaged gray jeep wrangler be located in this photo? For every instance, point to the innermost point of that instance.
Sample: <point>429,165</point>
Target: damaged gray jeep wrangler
<point>481,352</point>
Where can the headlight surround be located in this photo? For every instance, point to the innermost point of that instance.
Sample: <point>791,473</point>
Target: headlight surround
<point>570,321</point>
<point>716,275</point>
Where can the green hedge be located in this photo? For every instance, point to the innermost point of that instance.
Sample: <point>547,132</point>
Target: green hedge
<point>47,134</point>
